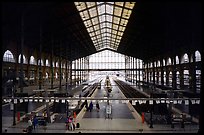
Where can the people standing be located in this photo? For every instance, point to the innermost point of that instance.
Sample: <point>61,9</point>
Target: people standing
<point>70,123</point>
<point>86,105</point>
<point>97,106</point>
<point>90,106</point>
<point>30,125</point>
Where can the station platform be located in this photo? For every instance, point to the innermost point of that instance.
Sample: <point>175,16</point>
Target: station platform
<point>123,119</point>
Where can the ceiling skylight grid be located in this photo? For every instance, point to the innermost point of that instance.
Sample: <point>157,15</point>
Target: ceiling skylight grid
<point>105,21</point>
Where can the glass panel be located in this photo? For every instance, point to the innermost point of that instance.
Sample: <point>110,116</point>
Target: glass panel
<point>101,9</point>
<point>109,9</point>
<point>108,15</point>
<point>93,12</point>
<point>102,18</point>
<point>103,30</point>
<point>124,22</point>
<point>90,4</point>
<point>109,30</point>
<point>95,20</point>
<point>121,28</point>
<point>80,5</point>
<point>109,25</point>
<point>115,26</point>
<point>114,31</point>
<point>117,11</point>
<point>109,18</point>
<point>126,13</point>
<point>96,27</point>
<point>129,5</point>
<point>119,3</point>
<point>84,15</point>
<point>116,20</point>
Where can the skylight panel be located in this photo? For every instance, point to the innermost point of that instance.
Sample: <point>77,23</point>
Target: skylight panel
<point>105,21</point>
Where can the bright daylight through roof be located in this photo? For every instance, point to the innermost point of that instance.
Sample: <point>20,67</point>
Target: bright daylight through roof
<point>105,21</point>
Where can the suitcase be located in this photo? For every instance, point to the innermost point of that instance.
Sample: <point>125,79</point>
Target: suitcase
<point>77,125</point>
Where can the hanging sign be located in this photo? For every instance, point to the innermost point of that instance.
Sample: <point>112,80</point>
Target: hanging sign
<point>15,101</point>
<point>186,102</point>
<point>150,102</point>
<point>197,101</point>
<point>63,101</point>
<point>21,100</point>
<point>179,101</point>
<point>193,101</point>
<point>40,100</point>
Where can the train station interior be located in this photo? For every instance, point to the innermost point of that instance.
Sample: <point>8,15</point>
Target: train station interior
<point>101,67</point>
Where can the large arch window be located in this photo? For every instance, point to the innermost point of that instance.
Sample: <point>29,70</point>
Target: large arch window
<point>57,64</point>
<point>177,60</point>
<point>197,56</point>
<point>32,60</point>
<point>47,63</point>
<point>164,62</point>
<point>24,59</point>
<point>185,58</point>
<point>169,61</point>
<point>8,57</point>
<point>158,63</point>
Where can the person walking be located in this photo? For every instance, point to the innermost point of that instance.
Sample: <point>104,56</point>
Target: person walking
<point>90,106</point>
<point>97,106</point>
<point>35,122</point>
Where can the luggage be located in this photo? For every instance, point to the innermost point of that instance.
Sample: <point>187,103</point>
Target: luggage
<point>77,125</point>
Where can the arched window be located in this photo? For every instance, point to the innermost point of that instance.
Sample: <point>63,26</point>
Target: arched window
<point>197,56</point>
<point>164,77</point>
<point>53,64</point>
<point>42,64</point>
<point>170,79</point>
<point>8,56</point>
<point>169,61</point>
<point>32,60</point>
<point>46,75</point>
<point>63,76</point>
<point>47,63</point>
<point>57,64</point>
<point>24,59</point>
<point>186,78</point>
<point>185,58</point>
<point>164,62</point>
<point>56,74</point>
<point>158,63</point>
<point>177,79</point>
<point>177,60</point>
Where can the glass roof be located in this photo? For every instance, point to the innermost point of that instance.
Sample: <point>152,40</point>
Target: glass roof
<point>105,21</point>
